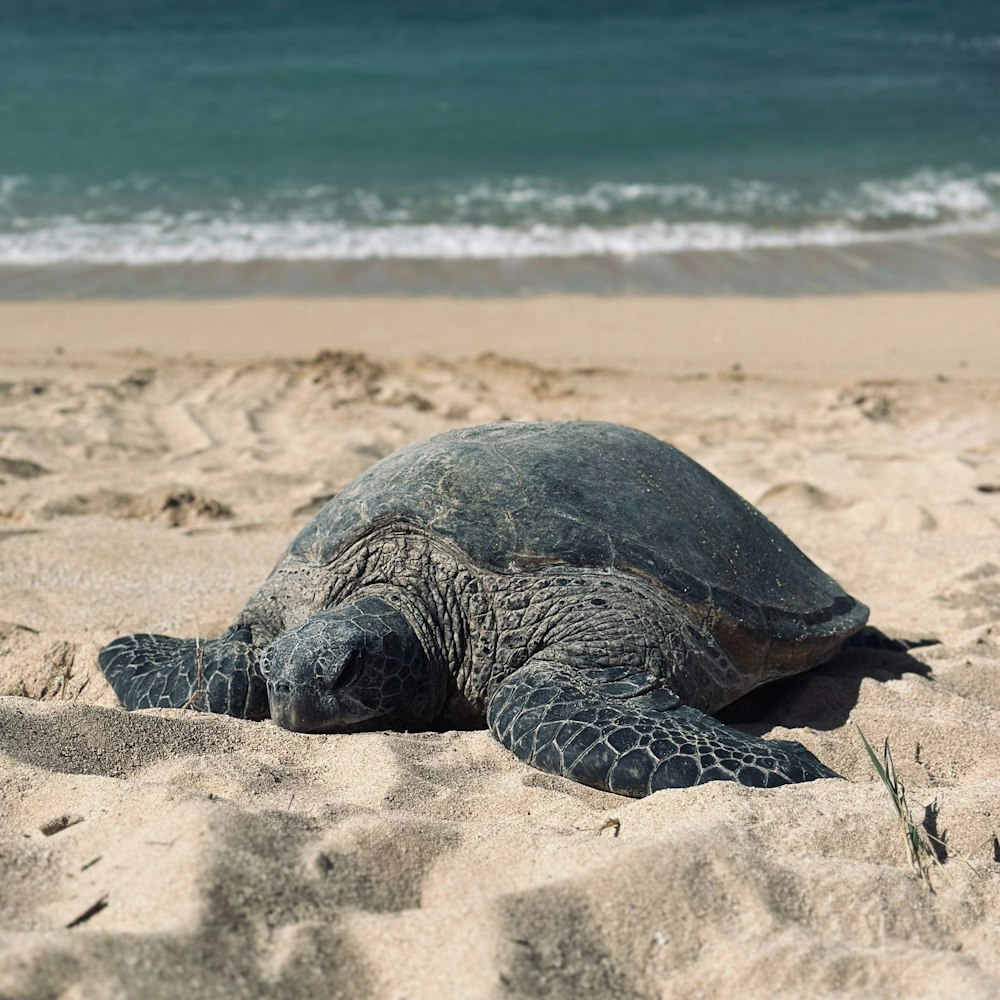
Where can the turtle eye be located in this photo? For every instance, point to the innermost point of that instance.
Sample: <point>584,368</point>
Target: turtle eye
<point>351,670</point>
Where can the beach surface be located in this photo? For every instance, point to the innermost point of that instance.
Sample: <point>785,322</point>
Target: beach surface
<point>157,457</point>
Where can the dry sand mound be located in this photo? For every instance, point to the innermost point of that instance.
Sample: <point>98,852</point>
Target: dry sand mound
<point>165,854</point>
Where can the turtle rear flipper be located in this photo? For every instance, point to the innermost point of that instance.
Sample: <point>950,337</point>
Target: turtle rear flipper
<point>157,671</point>
<point>625,733</point>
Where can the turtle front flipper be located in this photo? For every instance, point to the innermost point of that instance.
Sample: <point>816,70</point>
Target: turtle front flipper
<point>624,732</point>
<point>157,671</point>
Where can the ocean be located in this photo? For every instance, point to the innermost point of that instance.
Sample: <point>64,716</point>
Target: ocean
<point>202,147</point>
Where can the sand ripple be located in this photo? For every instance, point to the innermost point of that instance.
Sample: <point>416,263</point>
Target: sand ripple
<point>166,854</point>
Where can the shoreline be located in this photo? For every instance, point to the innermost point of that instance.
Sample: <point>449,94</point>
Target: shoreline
<point>876,335</point>
<point>947,261</point>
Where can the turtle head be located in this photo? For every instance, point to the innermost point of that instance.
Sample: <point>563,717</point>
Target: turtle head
<point>358,666</point>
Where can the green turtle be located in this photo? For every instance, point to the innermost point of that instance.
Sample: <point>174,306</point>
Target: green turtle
<point>588,591</point>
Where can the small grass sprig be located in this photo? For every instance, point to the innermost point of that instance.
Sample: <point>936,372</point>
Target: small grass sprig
<point>919,849</point>
<point>198,691</point>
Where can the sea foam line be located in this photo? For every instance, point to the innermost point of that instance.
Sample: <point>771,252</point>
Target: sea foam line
<point>922,198</point>
<point>231,241</point>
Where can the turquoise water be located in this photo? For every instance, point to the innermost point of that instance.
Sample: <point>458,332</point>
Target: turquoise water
<point>213,147</point>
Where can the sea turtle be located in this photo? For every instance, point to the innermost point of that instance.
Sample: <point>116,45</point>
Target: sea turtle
<point>587,590</point>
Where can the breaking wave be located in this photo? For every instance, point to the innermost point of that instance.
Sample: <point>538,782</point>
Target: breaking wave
<point>139,221</point>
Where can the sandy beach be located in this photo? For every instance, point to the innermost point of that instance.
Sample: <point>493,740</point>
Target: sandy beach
<point>156,457</point>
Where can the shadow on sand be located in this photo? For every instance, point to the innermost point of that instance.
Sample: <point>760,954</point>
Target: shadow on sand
<point>823,697</point>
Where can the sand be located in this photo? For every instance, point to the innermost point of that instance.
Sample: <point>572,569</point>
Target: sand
<point>155,459</point>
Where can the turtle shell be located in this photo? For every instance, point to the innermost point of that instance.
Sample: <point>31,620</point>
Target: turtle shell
<point>520,496</point>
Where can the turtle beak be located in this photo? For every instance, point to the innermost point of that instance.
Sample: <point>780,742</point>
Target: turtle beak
<point>302,710</point>
<point>288,712</point>
<point>297,711</point>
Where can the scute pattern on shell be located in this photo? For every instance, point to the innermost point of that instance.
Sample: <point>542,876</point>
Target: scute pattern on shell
<point>515,496</point>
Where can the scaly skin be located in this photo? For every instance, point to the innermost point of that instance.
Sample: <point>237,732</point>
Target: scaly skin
<point>158,671</point>
<point>592,674</point>
<point>623,733</point>
<point>358,666</point>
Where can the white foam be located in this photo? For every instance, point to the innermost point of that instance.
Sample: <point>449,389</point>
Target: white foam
<point>572,224</point>
<point>232,242</point>
<point>927,196</point>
